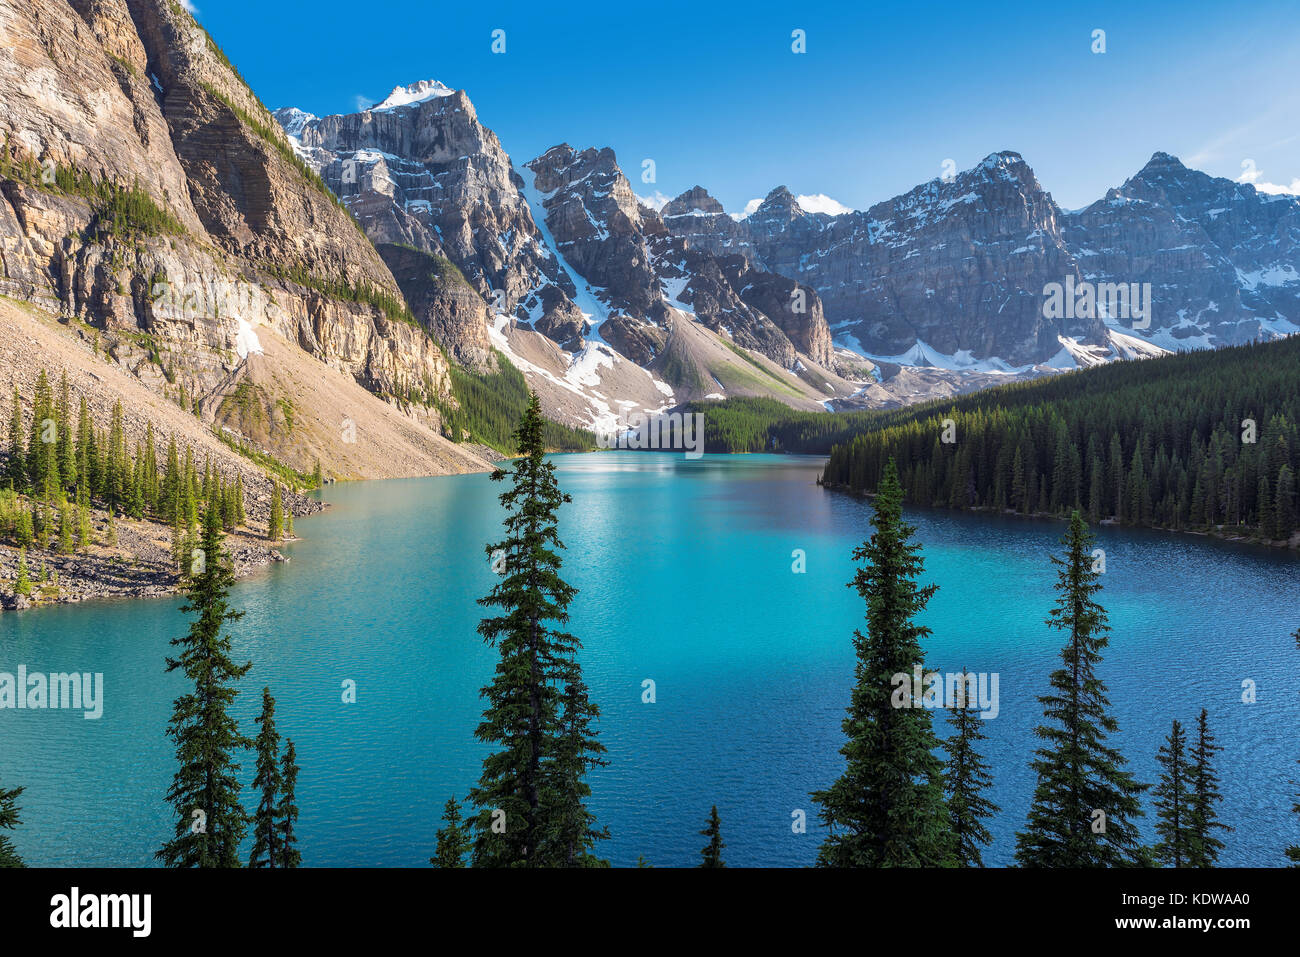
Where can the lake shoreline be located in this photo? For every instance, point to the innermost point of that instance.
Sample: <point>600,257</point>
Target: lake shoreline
<point>1291,545</point>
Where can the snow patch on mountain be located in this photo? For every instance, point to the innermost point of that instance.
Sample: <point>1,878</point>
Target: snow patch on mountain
<point>592,309</point>
<point>412,94</point>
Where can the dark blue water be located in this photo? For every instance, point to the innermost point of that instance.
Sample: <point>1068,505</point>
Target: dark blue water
<point>684,577</point>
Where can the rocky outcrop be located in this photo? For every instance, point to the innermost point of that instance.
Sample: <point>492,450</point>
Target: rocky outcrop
<point>958,265</point>
<point>1223,259</point>
<point>147,193</point>
<point>639,270</point>
<point>419,169</point>
<point>444,302</point>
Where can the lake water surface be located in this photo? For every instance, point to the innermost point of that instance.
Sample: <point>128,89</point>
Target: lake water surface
<point>684,572</point>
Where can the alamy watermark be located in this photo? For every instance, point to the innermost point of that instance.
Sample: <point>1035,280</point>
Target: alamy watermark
<point>934,689</point>
<point>657,431</point>
<point>1129,301</point>
<point>72,691</point>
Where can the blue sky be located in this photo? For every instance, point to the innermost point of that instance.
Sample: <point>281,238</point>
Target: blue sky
<point>713,93</point>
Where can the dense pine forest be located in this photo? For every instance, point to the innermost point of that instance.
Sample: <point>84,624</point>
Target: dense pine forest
<point>1202,440</point>
<point>491,406</point>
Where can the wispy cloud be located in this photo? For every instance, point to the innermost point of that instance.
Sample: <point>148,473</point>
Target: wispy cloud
<point>190,7</point>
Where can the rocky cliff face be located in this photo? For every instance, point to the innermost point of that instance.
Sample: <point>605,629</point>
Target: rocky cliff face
<point>420,169</point>
<point>560,246</point>
<point>1223,260</point>
<point>959,266</point>
<point>149,194</point>
<point>955,271</point>
<point>640,271</point>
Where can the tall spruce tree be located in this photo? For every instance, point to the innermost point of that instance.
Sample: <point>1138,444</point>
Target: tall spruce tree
<point>16,464</point>
<point>1084,801</point>
<point>275,524</point>
<point>287,812</point>
<point>8,821</point>
<point>711,853</point>
<point>887,808</point>
<point>529,801</point>
<point>453,838</point>
<point>1204,847</point>
<point>266,836</point>
<point>966,779</point>
<point>210,822</point>
<point>1173,801</point>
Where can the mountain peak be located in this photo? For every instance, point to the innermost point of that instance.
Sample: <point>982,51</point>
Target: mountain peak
<point>293,119</point>
<point>414,93</point>
<point>780,200</point>
<point>694,200</point>
<point>1161,160</point>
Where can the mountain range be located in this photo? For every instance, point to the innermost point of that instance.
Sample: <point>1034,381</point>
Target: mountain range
<point>941,289</point>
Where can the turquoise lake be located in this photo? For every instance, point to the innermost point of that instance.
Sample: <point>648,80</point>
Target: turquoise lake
<point>684,572</point>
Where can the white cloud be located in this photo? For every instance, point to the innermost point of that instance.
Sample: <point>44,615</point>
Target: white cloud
<point>190,7</point>
<point>657,201</point>
<point>821,203</point>
<point>1252,176</point>
<point>750,208</point>
<point>364,102</point>
<point>1293,189</point>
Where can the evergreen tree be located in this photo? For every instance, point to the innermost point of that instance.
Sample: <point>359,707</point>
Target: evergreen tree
<point>711,853</point>
<point>287,812</point>
<point>40,527</point>
<point>115,459</point>
<point>1173,801</point>
<point>275,525</point>
<point>453,838</point>
<point>23,583</point>
<point>1204,847</point>
<point>85,531</point>
<point>67,448</point>
<point>8,821</point>
<point>573,828</point>
<point>1084,800</point>
<point>66,542</point>
<point>966,780</point>
<point>887,808</point>
<point>23,530</point>
<point>266,851</point>
<point>210,822</point>
<point>16,464</point>
<point>529,801</point>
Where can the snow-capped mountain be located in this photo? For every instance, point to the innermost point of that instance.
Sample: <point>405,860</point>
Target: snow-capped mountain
<point>1223,259</point>
<point>589,293</point>
<point>954,273</point>
<point>584,285</point>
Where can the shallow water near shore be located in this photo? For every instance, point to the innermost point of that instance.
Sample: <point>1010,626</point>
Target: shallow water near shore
<point>684,572</point>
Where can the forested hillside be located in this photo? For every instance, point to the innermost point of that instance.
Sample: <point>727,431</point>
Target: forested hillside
<point>765,425</point>
<point>491,404</point>
<point>1190,441</point>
